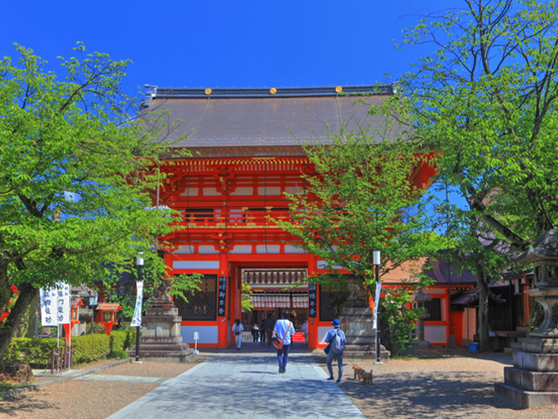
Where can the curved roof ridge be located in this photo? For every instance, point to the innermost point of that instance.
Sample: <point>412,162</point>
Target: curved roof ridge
<point>266,92</point>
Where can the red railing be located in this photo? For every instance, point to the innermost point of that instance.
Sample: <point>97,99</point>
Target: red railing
<point>233,218</point>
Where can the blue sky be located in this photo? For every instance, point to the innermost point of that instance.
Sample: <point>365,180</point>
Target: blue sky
<point>226,43</point>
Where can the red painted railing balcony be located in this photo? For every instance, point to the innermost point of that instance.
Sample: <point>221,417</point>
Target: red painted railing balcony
<point>233,218</point>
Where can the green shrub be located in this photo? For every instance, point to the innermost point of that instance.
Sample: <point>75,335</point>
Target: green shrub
<point>35,352</point>
<point>120,340</point>
<point>120,355</point>
<point>90,348</point>
<point>87,348</point>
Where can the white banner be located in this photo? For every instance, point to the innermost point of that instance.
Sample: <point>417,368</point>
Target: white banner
<point>49,301</point>
<point>56,305</point>
<point>64,303</point>
<point>377,304</point>
<point>136,320</point>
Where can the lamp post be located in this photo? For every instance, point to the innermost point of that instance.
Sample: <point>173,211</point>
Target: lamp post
<point>376,262</point>
<point>140,279</point>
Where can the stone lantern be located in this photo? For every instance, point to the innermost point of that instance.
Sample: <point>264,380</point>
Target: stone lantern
<point>533,380</point>
<point>420,298</point>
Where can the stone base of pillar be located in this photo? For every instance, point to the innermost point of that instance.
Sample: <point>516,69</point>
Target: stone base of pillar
<point>531,382</point>
<point>357,324</point>
<point>161,339</point>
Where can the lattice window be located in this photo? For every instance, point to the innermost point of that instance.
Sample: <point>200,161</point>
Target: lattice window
<point>202,304</point>
<point>331,303</point>
<point>434,308</point>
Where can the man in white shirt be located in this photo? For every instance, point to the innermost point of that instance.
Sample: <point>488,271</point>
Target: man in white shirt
<point>283,329</point>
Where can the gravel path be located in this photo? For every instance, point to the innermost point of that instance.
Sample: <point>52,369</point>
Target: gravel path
<point>460,386</point>
<point>91,399</point>
<point>457,386</point>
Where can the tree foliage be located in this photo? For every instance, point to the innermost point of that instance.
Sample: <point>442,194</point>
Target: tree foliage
<point>360,199</point>
<point>76,170</point>
<point>486,101</point>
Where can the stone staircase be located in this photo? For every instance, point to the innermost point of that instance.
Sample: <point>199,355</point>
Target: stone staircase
<point>513,339</point>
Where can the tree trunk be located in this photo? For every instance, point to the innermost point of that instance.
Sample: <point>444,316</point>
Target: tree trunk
<point>32,329</point>
<point>483,311</point>
<point>26,294</point>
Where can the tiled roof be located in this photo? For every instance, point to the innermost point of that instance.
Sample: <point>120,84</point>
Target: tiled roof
<point>255,117</point>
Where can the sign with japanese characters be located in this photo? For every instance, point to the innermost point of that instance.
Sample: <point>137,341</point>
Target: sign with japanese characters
<point>56,305</point>
<point>221,296</point>
<point>136,320</point>
<point>312,290</point>
<point>64,303</point>
<point>48,302</point>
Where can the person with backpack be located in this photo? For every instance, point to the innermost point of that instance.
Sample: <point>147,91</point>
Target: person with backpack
<point>336,340</point>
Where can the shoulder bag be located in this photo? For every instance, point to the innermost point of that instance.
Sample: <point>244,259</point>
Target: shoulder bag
<point>277,342</point>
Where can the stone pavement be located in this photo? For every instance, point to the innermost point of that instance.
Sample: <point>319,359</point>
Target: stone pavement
<point>246,384</point>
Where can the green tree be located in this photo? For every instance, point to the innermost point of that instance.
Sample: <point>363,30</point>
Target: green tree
<point>361,199</point>
<point>76,171</point>
<point>486,101</point>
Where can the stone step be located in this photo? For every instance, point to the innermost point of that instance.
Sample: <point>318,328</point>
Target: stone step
<point>516,345</point>
<point>523,398</point>
<point>531,380</point>
<point>360,340</point>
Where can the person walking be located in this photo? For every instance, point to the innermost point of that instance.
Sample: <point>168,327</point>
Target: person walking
<point>284,329</point>
<point>262,332</point>
<point>255,332</point>
<point>269,324</point>
<point>237,330</point>
<point>336,340</point>
<point>305,331</point>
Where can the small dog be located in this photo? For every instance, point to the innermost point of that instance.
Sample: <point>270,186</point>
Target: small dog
<point>358,370</point>
<point>367,378</point>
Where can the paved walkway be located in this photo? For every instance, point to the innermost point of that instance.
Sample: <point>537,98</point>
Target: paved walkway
<point>246,384</point>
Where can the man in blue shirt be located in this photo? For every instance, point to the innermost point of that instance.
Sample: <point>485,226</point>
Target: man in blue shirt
<point>283,329</point>
<point>331,354</point>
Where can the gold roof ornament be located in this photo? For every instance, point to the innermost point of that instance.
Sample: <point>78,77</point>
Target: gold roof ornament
<point>338,89</point>
<point>273,90</point>
<point>208,91</point>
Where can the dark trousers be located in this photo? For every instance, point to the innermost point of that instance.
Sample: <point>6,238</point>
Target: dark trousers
<point>283,356</point>
<point>269,333</point>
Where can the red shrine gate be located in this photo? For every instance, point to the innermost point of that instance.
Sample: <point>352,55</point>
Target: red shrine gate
<point>245,158</point>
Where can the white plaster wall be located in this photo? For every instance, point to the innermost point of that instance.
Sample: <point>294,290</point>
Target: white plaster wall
<point>207,250</point>
<point>270,248</point>
<point>270,190</point>
<point>243,191</point>
<point>211,192</point>
<point>190,192</point>
<point>435,333</point>
<point>322,333</point>
<point>195,264</point>
<point>292,249</point>
<point>208,334</point>
<point>241,249</point>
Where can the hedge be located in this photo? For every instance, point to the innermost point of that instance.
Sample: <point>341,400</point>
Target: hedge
<point>87,348</point>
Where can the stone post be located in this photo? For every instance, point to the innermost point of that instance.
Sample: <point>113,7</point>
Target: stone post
<point>357,323</point>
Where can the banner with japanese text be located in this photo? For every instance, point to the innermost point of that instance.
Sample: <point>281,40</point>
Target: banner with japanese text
<point>136,320</point>
<point>64,303</point>
<point>56,305</point>
<point>312,300</point>
<point>222,295</point>
<point>48,302</point>
<point>377,304</point>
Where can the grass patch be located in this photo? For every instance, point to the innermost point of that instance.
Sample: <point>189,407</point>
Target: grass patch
<point>6,386</point>
<point>405,357</point>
